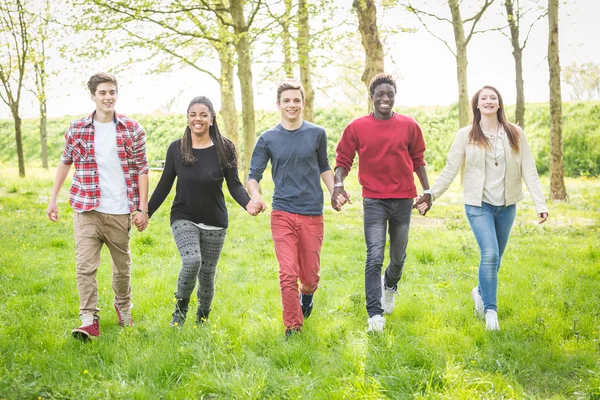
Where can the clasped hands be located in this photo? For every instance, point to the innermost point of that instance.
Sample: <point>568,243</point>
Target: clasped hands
<point>255,206</point>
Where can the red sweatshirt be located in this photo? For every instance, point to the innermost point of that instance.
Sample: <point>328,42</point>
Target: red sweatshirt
<point>388,153</point>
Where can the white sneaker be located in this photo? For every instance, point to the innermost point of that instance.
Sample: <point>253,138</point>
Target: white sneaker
<point>491,320</point>
<point>376,323</point>
<point>478,302</point>
<point>387,297</point>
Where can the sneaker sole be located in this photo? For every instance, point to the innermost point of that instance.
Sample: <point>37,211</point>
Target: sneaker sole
<point>82,335</point>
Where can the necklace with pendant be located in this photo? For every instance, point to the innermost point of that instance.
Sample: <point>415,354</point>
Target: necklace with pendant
<point>495,144</point>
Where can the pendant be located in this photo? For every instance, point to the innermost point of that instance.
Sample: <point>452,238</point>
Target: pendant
<point>496,164</point>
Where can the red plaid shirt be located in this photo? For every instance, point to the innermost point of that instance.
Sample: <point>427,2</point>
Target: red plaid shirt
<point>79,149</point>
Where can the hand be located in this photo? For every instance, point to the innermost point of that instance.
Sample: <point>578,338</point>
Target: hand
<point>52,211</point>
<point>423,204</point>
<point>254,208</point>
<point>339,197</point>
<point>543,217</point>
<point>258,203</point>
<point>140,219</point>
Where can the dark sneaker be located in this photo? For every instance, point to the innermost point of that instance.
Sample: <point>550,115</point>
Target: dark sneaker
<point>180,313</point>
<point>290,332</point>
<point>87,332</point>
<point>202,315</point>
<point>124,315</point>
<point>306,302</point>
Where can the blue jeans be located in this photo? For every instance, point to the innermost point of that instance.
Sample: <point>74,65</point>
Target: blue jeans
<point>378,214</point>
<point>491,226</point>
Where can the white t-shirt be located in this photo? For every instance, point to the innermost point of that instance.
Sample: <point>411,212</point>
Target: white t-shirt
<point>113,188</point>
<point>493,187</point>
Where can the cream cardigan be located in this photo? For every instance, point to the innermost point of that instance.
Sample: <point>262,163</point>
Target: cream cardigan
<point>519,167</point>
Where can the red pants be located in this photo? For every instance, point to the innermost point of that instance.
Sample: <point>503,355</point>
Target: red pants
<point>298,240</point>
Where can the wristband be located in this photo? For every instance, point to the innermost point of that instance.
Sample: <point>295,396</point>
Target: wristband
<point>142,211</point>
<point>428,191</point>
<point>338,184</point>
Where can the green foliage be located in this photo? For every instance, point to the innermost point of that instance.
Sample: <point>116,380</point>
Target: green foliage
<point>581,134</point>
<point>433,346</point>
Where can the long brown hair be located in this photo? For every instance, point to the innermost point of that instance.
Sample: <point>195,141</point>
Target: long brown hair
<point>476,135</point>
<point>225,148</point>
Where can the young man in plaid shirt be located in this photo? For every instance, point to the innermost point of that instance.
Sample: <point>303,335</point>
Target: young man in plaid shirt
<point>110,184</point>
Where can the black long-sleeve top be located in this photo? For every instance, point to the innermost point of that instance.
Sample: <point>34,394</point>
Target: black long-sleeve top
<point>199,191</point>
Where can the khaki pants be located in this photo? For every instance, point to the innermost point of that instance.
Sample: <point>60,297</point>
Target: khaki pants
<point>92,230</point>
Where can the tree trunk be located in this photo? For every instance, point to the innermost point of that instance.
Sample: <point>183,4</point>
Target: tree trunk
<point>303,46</point>
<point>518,56</point>
<point>557,181</point>
<point>245,77</point>
<point>461,62</point>
<point>228,108</point>
<point>366,12</point>
<point>44,132</point>
<point>288,64</point>
<point>19,141</point>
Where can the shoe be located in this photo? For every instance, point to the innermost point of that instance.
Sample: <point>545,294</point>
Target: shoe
<point>306,302</point>
<point>376,323</point>
<point>180,313</point>
<point>387,297</point>
<point>478,302</point>
<point>202,315</point>
<point>491,320</point>
<point>290,332</point>
<point>124,315</point>
<point>89,329</point>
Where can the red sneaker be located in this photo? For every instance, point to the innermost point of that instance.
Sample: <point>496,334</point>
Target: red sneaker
<point>87,332</point>
<point>124,315</point>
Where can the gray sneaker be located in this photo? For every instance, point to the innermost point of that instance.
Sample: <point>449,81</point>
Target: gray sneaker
<point>387,297</point>
<point>491,320</point>
<point>478,302</point>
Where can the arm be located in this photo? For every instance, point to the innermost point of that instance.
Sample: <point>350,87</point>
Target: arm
<point>165,184</point>
<point>61,174</point>
<point>140,219</point>
<point>345,153</point>
<point>339,196</point>
<point>254,191</point>
<point>423,203</point>
<point>258,164</point>
<point>532,180</point>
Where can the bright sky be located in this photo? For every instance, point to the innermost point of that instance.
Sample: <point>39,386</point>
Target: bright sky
<point>425,69</point>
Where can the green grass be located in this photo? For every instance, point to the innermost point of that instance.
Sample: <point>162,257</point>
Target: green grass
<point>433,345</point>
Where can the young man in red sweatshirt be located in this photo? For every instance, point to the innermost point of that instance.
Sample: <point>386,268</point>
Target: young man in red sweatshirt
<point>390,148</point>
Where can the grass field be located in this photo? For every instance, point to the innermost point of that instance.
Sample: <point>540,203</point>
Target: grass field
<point>433,345</point>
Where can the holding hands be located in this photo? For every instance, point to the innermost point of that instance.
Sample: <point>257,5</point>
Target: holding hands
<point>140,219</point>
<point>423,203</point>
<point>255,206</point>
<point>339,197</point>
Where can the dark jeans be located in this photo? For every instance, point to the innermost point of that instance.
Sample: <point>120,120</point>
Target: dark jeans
<point>378,215</point>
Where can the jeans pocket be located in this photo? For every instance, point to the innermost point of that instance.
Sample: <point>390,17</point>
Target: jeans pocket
<point>473,211</point>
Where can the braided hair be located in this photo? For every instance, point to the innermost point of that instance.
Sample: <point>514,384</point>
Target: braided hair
<point>225,148</point>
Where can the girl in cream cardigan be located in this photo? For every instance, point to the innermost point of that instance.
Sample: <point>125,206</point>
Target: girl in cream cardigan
<point>496,159</point>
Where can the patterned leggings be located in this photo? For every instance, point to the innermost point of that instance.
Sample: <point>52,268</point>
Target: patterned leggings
<point>200,250</point>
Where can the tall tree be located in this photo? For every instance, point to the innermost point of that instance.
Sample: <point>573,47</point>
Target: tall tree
<point>15,43</point>
<point>460,46</point>
<point>241,27</point>
<point>303,46</point>
<point>514,16</point>
<point>557,180</point>
<point>366,11</point>
<point>38,59</point>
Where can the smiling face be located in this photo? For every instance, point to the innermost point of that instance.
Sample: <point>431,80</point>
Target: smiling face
<point>488,102</point>
<point>105,97</point>
<point>199,119</point>
<point>383,100</point>
<point>290,105</point>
